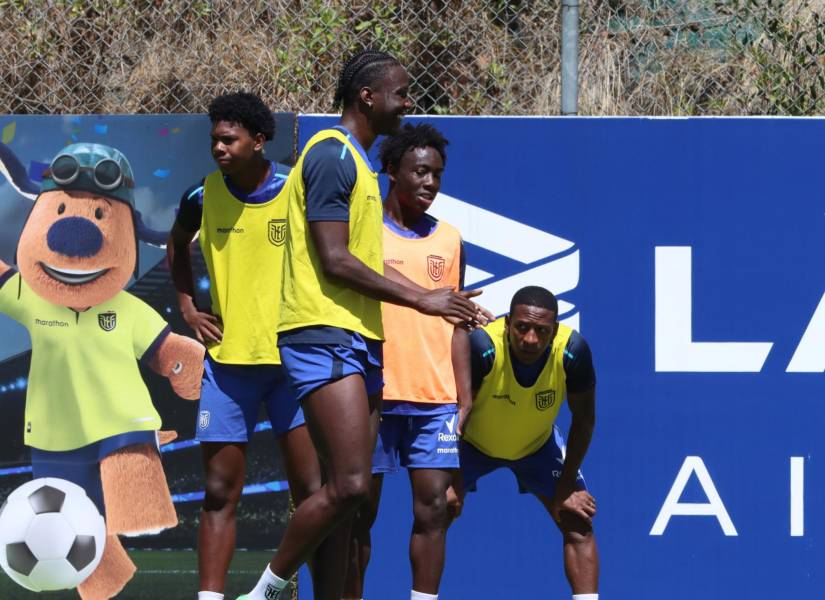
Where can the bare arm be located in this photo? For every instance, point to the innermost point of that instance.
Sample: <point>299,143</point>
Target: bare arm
<point>3,268</point>
<point>205,326</point>
<point>463,376</point>
<point>583,408</point>
<point>331,239</point>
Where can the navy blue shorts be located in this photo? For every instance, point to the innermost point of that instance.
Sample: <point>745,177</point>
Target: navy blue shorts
<point>311,366</point>
<point>416,442</point>
<point>536,473</point>
<point>82,466</point>
<point>231,397</point>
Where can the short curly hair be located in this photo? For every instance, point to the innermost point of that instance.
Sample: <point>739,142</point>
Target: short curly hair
<point>533,295</point>
<point>409,136</point>
<point>245,109</point>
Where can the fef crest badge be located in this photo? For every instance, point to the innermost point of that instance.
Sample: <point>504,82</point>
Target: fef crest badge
<point>107,320</point>
<point>435,267</point>
<point>545,399</point>
<point>203,419</point>
<point>277,231</point>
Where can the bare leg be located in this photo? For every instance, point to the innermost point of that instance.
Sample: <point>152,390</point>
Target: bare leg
<point>360,543</point>
<point>430,522</point>
<point>343,423</point>
<point>303,470</point>
<point>225,466</point>
<point>581,557</point>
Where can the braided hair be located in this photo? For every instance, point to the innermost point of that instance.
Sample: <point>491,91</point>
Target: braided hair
<point>407,138</point>
<point>362,69</point>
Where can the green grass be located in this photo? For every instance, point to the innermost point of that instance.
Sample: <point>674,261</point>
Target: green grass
<point>166,575</point>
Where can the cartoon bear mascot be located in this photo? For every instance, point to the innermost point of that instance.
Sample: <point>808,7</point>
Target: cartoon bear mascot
<point>89,418</point>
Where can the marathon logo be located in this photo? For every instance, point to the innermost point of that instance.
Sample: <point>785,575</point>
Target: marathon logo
<point>51,323</point>
<point>230,229</point>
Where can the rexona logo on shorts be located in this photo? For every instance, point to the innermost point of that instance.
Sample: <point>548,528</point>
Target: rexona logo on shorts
<point>541,257</point>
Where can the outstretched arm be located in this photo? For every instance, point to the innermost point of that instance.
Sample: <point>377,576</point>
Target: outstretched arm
<point>338,263</point>
<point>4,268</point>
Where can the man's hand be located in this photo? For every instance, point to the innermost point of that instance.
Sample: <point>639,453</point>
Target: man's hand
<point>207,327</point>
<point>578,502</point>
<point>446,302</point>
<point>481,318</point>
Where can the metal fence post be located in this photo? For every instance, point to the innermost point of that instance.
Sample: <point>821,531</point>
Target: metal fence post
<point>570,57</point>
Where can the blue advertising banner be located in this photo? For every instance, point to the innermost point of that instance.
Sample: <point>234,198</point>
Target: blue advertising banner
<point>691,255</point>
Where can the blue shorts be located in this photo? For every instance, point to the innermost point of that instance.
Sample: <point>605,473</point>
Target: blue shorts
<point>310,366</point>
<point>536,473</point>
<point>82,466</point>
<point>231,398</point>
<point>416,442</point>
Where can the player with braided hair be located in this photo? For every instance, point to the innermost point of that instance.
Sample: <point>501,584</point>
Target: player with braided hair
<point>330,330</point>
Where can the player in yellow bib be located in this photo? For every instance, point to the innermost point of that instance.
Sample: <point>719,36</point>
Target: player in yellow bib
<point>240,211</point>
<point>330,331</point>
<point>523,367</point>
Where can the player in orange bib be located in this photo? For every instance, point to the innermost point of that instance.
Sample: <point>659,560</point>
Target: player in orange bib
<point>419,415</point>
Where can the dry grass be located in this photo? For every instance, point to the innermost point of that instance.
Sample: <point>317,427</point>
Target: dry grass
<point>475,57</point>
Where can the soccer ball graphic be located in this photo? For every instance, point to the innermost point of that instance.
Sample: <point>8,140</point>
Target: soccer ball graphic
<point>51,535</point>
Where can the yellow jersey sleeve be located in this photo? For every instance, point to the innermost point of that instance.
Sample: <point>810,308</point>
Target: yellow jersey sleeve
<point>147,325</point>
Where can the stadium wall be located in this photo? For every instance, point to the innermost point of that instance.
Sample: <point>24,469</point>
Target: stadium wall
<point>691,255</point>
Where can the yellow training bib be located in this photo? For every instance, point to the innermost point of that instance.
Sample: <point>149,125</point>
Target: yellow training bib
<point>510,421</point>
<point>308,298</point>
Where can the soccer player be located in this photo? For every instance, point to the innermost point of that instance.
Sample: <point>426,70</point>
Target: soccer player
<point>330,328</point>
<point>523,365</point>
<point>419,410</point>
<point>240,210</point>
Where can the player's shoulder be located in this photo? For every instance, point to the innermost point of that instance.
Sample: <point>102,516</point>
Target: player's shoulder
<point>194,193</point>
<point>576,344</point>
<point>281,170</point>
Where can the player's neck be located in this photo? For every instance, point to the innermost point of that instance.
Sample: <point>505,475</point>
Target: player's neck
<point>252,178</point>
<point>396,212</point>
<point>359,126</point>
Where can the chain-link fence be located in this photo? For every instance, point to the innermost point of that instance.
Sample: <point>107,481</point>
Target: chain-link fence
<point>473,57</point>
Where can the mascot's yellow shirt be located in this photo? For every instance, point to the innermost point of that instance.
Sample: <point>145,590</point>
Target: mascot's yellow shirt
<point>243,246</point>
<point>510,421</point>
<point>308,298</point>
<point>84,382</point>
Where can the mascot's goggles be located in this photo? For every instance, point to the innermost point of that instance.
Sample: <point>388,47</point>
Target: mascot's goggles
<point>107,173</point>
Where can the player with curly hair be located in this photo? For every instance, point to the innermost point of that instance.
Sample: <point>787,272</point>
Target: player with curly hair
<point>421,414</point>
<point>240,211</point>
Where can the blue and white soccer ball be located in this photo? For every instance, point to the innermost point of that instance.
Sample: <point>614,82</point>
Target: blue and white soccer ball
<point>51,535</point>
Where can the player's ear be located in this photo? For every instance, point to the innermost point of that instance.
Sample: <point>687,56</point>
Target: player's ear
<point>260,140</point>
<point>391,173</point>
<point>367,96</point>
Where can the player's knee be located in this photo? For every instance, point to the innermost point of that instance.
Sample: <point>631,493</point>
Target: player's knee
<point>350,491</point>
<point>431,511</point>
<point>301,490</point>
<point>221,493</point>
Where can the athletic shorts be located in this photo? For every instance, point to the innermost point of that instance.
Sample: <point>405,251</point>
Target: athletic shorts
<point>82,466</point>
<point>311,366</point>
<point>536,473</point>
<point>231,398</point>
<point>416,442</point>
